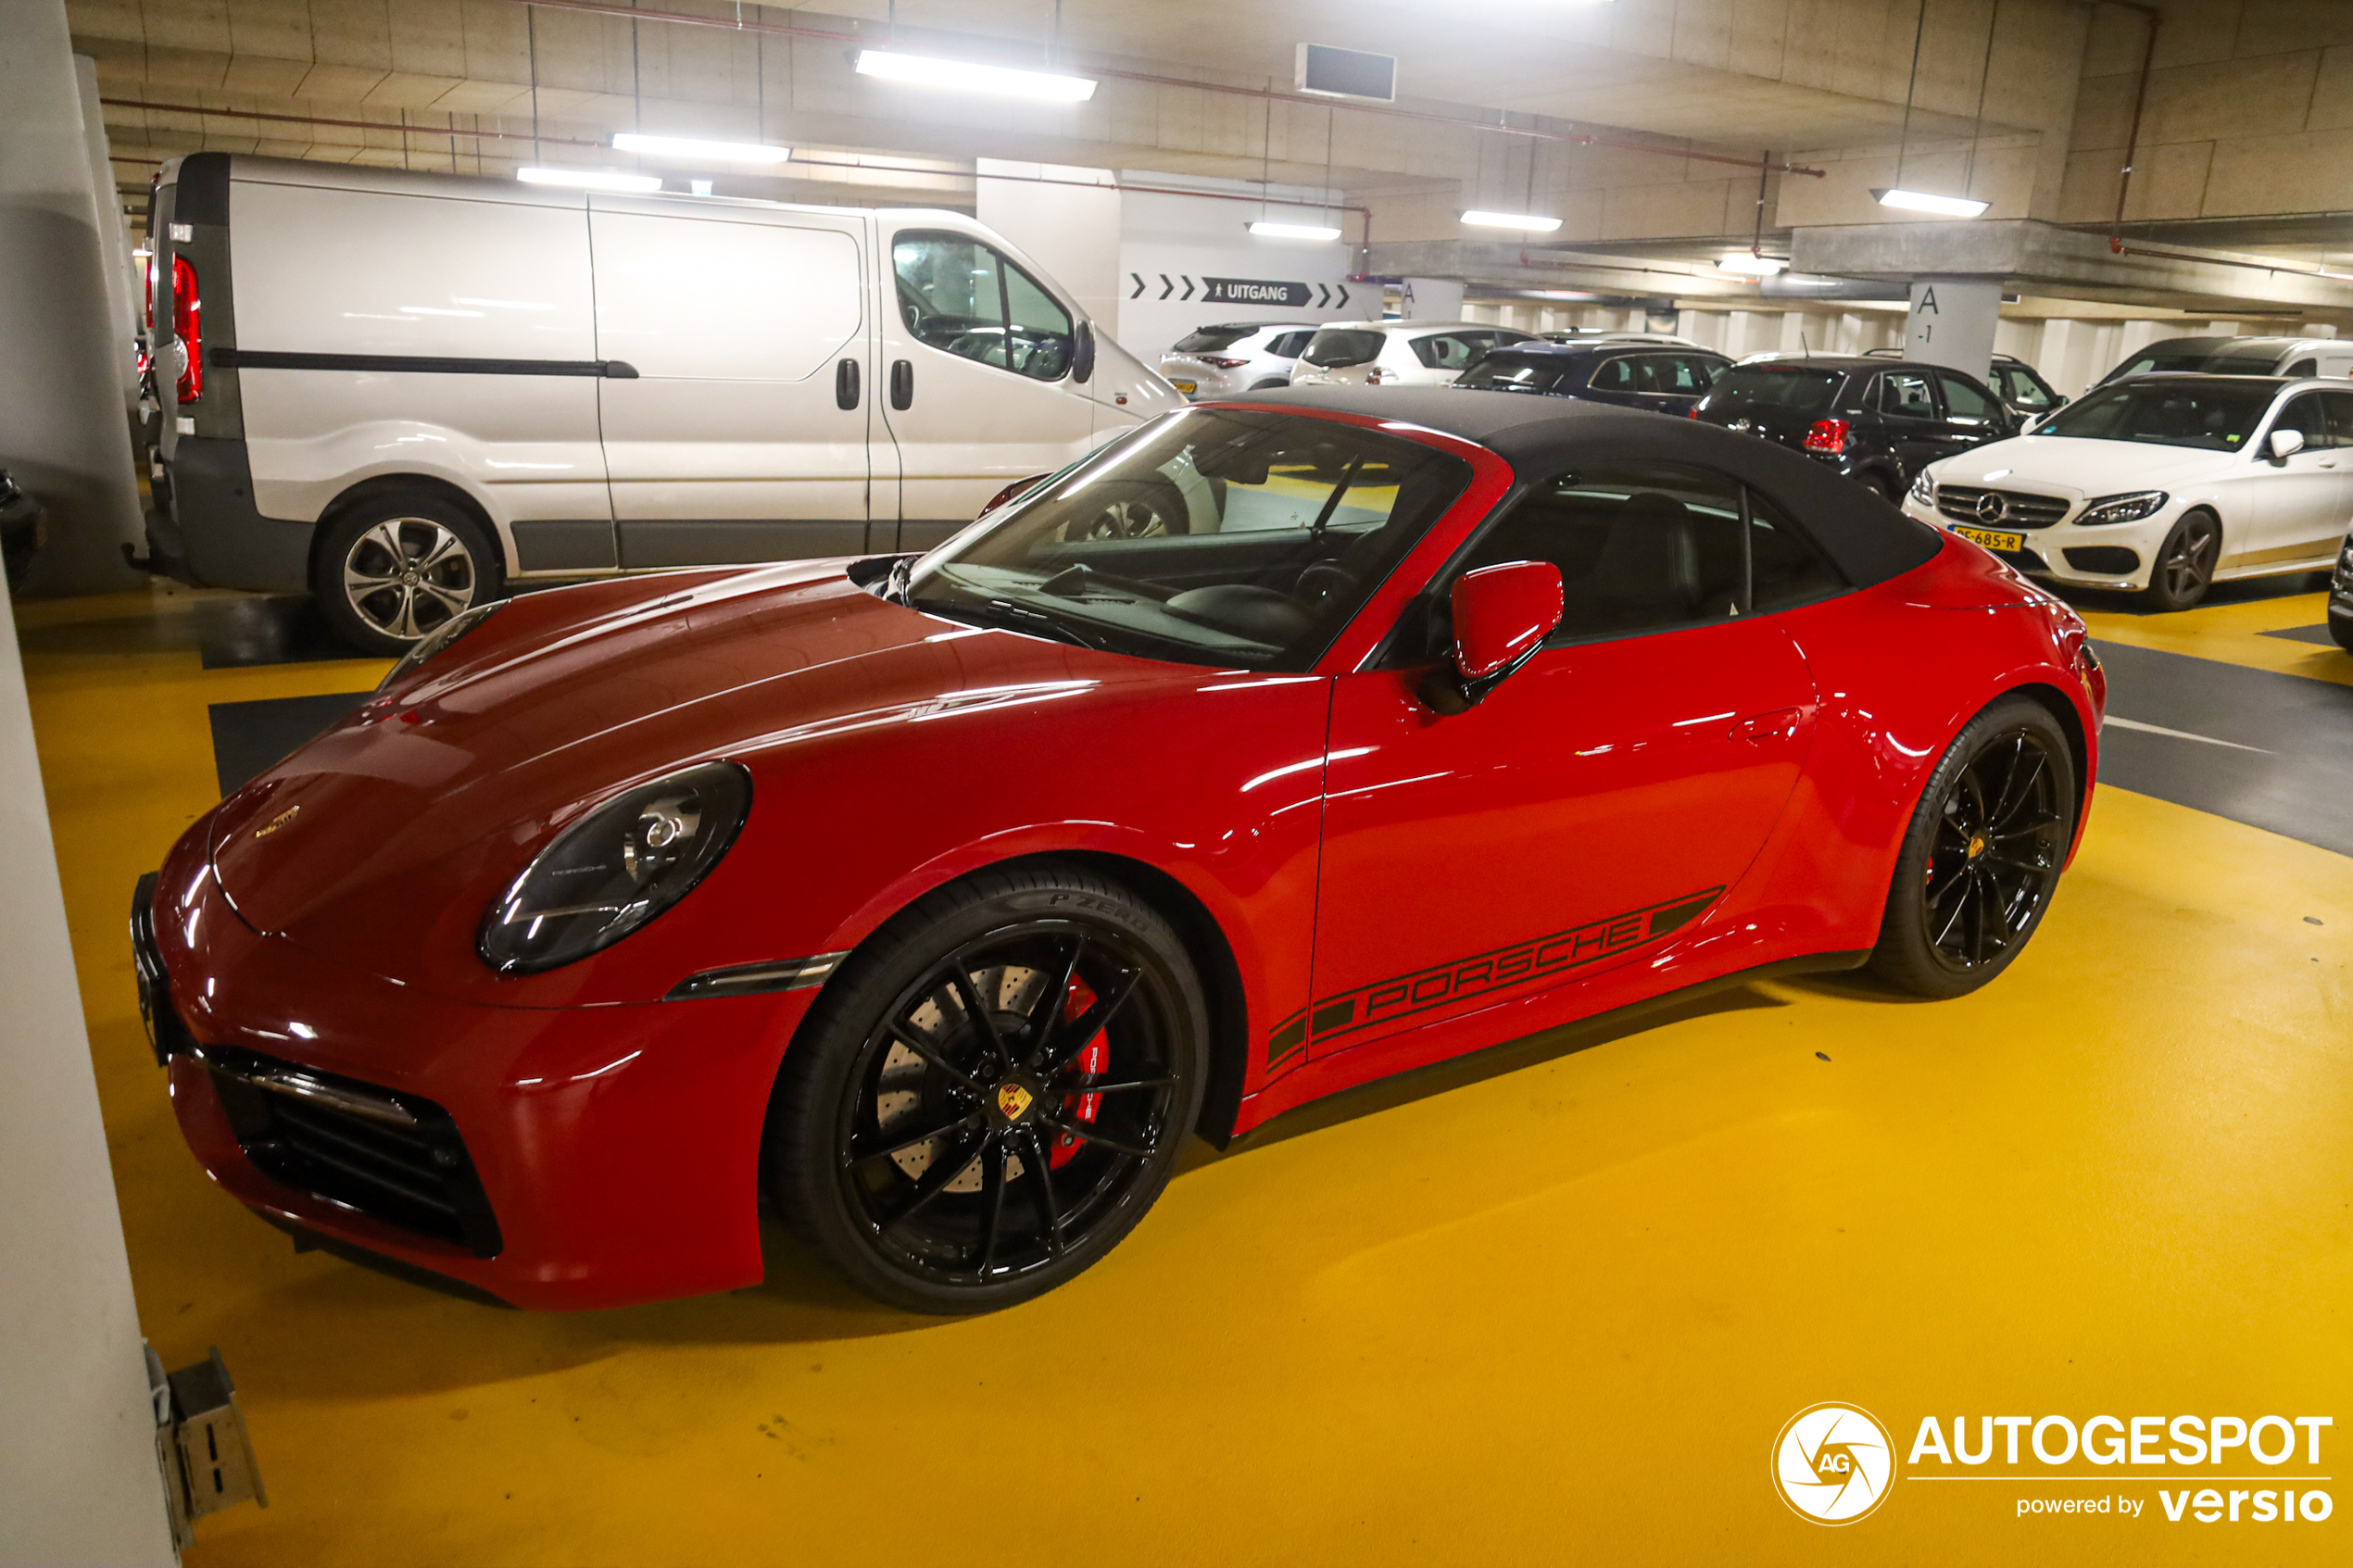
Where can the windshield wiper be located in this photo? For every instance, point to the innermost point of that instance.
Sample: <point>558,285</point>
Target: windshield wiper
<point>1000,612</point>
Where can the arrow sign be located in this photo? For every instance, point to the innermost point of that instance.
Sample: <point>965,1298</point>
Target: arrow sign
<point>1167,288</point>
<point>1188,288</point>
<point>1323,295</point>
<point>1256,291</point>
<point>1343,296</point>
<point>1139,285</point>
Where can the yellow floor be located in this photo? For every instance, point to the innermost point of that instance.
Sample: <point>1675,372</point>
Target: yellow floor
<point>2230,628</point>
<point>1555,1314</point>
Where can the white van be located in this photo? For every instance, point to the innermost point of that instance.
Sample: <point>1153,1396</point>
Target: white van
<point>406,392</point>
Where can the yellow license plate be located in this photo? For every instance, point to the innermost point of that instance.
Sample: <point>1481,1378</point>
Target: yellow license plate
<point>1187,387</point>
<point>1991,540</point>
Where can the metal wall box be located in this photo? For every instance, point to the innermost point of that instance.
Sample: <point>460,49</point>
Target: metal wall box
<point>216,1467</point>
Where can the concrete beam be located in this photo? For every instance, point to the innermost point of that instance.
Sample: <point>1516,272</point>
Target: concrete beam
<point>1506,264</point>
<point>2037,258</point>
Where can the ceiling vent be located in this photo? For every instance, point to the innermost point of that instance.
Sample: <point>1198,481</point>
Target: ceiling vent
<point>1347,73</point>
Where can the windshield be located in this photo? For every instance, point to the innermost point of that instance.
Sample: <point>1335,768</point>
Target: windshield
<point>1209,340</point>
<point>2215,416</point>
<point>1209,536</point>
<point>1331,349</point>
<point>1783,387</point>
<point>1506,371</point>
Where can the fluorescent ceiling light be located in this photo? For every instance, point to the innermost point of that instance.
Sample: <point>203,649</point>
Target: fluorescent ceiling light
<point>1921,201</point>
<point>1532,224</point>
<point>1293,231</point>
<point>1752,266</point>
<point>925,70</point>
<point>689,146</point>
<point>589,179</point>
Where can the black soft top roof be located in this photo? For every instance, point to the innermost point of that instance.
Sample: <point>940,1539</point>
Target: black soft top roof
<point>1869,540</point>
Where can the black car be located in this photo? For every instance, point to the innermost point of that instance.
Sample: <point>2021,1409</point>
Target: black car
<point>23,526</point>
<point>1877,421</point>
<point>1632,375</point>
<point>2023,390</point>
<point>2341,597</point>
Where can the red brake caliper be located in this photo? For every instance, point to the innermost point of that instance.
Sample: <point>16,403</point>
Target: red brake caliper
<point>1092,1061</point>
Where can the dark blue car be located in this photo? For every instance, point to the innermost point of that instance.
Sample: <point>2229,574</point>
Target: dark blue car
<point>1664,378</point>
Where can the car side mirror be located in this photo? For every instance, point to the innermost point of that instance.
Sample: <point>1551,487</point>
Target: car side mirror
<point>1502,616</point>
<point>1082,363</point>
<point>2285,444</point>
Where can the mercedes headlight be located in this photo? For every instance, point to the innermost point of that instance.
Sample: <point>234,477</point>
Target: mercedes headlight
<point>2129,507</point>
<point>435,640</point>
<point>616,868</point>
<point>1924,490</point>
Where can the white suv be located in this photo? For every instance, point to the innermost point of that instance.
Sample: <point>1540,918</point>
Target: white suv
<point>1238,356</point>
<point>2161,484</point>
<point>1398,353</point>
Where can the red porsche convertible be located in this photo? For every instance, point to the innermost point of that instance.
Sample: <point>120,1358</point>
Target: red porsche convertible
<point>1280,746</point>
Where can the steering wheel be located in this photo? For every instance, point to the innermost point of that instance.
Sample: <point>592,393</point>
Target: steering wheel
<point>1324,581</point>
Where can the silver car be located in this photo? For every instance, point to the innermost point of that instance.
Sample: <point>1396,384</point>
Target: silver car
<point>1237,356</point>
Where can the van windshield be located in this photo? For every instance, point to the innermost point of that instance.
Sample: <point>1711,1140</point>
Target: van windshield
<point>1334,349</point>
<point>1231,538</point>
<point>1790,388</point>
<point>2215,416</point>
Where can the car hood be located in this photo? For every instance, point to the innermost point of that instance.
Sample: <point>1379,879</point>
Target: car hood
<point>2063,465</point>
<point>416,809</point>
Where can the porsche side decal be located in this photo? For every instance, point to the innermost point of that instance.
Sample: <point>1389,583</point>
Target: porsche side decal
<point>1523,963</point>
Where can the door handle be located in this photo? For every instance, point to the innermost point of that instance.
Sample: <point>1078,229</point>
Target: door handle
<point>1780,722</point>
<point>902,384</point>
<point>846,384</point>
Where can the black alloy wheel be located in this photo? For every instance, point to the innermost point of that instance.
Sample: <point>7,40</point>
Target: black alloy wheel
<point>2185,562</point>
<point>995,1097</point>
<point>1982,856</point>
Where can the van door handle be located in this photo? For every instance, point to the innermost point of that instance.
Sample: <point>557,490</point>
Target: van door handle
<point>1780,722</point>
<point>902,384</point>
<point>846,384</point>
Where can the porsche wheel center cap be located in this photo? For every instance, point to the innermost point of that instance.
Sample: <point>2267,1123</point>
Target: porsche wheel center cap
<point>1977,846</point>
<point>1013,1100</point>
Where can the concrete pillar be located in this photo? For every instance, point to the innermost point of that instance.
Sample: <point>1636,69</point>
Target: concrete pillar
<point>126,298</point>
<point>1432,299</point>
<point>62,428</point>
<point>1952,322</point>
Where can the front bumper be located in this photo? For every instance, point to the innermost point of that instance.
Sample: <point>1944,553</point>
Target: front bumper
<point>554,1157</point>
<point>2114,555</point>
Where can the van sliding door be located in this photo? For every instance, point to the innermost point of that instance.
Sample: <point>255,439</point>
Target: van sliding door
<point>744,434</point>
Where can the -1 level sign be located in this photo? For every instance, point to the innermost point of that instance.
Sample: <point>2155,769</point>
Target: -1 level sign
<point>1255,291</point>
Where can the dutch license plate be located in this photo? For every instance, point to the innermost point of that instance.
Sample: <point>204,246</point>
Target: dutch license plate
<point>1990,539</point>
<point>1187,387</point>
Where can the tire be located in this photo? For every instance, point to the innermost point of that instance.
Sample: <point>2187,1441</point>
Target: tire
<point>2341,627</point>
<point>939,1174</point>
<point>1980,859</point>
<point>391,566</point>
<point>2184,566</point>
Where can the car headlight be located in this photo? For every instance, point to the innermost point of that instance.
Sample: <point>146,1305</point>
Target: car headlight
<point>1924,489</point>
<point>435,640</point>
<point>616,868</point>
<point>2129,507</point>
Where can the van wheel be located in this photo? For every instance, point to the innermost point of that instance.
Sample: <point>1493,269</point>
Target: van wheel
<point>390,569</point>
<point>2185,562</point>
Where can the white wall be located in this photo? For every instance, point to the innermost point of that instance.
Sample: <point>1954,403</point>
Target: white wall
<point>1067,218</point>
<point>1165,239</point>
<point>78,1477</point>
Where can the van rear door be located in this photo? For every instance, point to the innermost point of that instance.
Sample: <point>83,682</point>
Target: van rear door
<point>743,436</point>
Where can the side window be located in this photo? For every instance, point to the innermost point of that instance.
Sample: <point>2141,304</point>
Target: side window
<point>2023,390</point>
<point>1965,405</point>
<point>2305,414</point>
<point>1042,341</point>
<point>1641,546</point>
<point>959,295</point>
<point>1904,394</point>
<point>1288,345</point>
<point>2303,368</point>
<point>1450,351</point>
<point>1784,569</point>
<point>2340,411</point>
<point>1617,375</point>
<point>1679,375</point>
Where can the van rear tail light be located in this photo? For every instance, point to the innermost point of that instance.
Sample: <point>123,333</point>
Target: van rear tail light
<point>187,323</point>
<point>1827,435</point>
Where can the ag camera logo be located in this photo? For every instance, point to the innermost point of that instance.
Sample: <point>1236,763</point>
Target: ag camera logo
<point>1832,1464</point>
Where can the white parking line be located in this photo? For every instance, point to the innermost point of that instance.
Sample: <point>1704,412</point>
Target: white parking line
<point>2179,734</point>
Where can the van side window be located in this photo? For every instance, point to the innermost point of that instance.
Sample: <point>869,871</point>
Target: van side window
<point>959,296</point>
